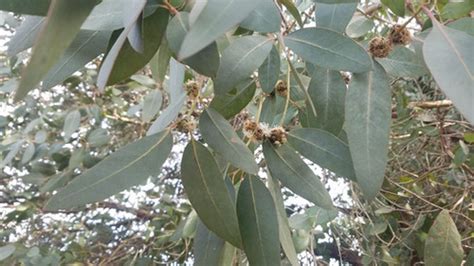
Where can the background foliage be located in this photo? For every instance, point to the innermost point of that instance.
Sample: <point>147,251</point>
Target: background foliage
<point>236,132</point>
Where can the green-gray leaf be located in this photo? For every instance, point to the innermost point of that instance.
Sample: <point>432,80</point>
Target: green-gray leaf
<point>334,16</point>
<point>449,57</point>
<point>284,231</point>
<point>61,26</point>
<point>232,102</point>
<point>71,124</point>
<point>403,62</point>
<point>206,61</point>
<point>208,247</point>
<point>129,61</point>
<point>25,35</point>
<point>129,166</point>
<point>220,135</point>
<point>30,7</point>
<point>258,222</point>
<point>207,192</point>
<point>86,46</point>
<point>265,18</point>
<point>240,59</point>
<point>288,167</point>
<point>269,71</point>
<point>328,93</point>
<point>151,105</point>
<point>443,244</point>
<point>368,116</point>
<point>329,49</point>
<point>397,6</point>
<point>177,98</point>
<point>215,19</point>
<point>324,149</point>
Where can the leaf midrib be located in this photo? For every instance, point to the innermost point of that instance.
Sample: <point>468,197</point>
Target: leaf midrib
<point>317,146</point>
<point>119,170</point>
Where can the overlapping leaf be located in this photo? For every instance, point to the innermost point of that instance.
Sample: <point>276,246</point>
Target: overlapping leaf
<point>334,16</point>
<point>324,149</point>
<point>269,71</point>
<point>61,26</point>
<point>232,102</point>
<point>265,18</point>
<point>449,57</point>
<point>239,60</point>
<point>329,49</point>
<point>258,223</point>
<point>129,166</point>
<point>328,93</point>
<point>368,117</point>
<point>213,20</point>
<point>443,244</point>
<point>288,167</point>
<point>220,135</point>
<point>207,192</point>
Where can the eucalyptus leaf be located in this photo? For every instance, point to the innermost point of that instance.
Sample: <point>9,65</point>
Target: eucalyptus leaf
<point>71,124</point>
<point>327,90</point>
<point>443,244</point>
<point>59,30</point>
<point>258,223</point>
<point>329,49</point>
<point>334,16</point>
<point>220,135</point>
<point>208,247</point>
<point>288,167</point>
<point>29,7</point>
<point>86,46</point>
<point>177,98</point>
<point>324,149</point>
<point>269,71</point>
<point>232,102</point>
<point>239,60</point>
<point>25,35</point>
<point>265,18</point>
<point>368,117</point>
<point>151,105</point>
<point>449,57</point>
<point>215,18</point>
<point>139,160</point>
<point>207,192</point>
<point>403,62</point>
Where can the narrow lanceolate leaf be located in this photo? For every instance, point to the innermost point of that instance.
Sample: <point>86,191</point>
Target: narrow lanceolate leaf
<point>129,61</point>
<point>27,7</point>
<point>220,135</point>
<point>290,5</point>
<point>112,55</point>
<point>207,192</point>
<point>269,71</point>
<point>329,49</point>
<point>258,223</point>
<point>284,231</point>
<point>443,244</point>
<point>368,114</point>
<point>177,98</point>
<point>334,16</point>
<point>151,105</point>
<point>288,167</point>
<point>397,6</point>
<point>25,35</point>
<point>328,93</point>
<point>265,18</point>
<point>403,62</point>
<point>324,149</point>
<point>449,57</point>
<point>208,247</point>
<point>127,167</point>
<point>86,46</point>
<point>206,61</point>
<point>71,124</point>
<point>240,59</point>
<point>215,19</point>
<point>61,26</point>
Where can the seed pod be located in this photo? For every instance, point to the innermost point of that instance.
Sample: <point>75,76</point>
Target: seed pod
<point>380,47</point>
<point>400,35</point>
<point>278,136</point>
<point>282,88</point>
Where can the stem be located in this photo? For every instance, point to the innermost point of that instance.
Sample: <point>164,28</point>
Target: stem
<point>288,91</point>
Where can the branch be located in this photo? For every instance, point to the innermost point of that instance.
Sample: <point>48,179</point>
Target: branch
<point>431,104</point>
